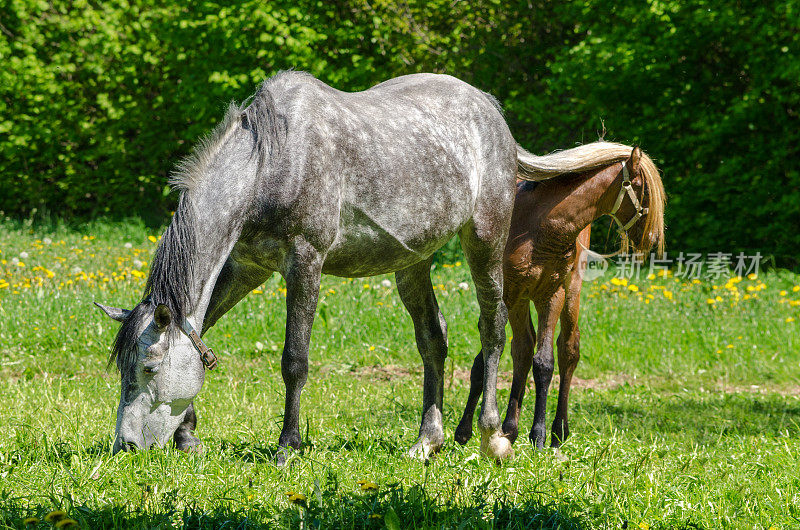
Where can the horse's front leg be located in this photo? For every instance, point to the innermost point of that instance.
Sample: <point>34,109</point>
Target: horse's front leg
<point>184,437</point>
<point>302,272</point>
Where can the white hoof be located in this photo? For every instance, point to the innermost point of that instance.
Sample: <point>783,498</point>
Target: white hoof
<point>423,449</point>
<point>496,447</point>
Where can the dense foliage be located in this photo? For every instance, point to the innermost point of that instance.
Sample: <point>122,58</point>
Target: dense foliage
<point>99,99</point>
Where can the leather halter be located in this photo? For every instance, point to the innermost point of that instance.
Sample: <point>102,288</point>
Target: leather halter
<point>206,354</point>
<point>627,188</point>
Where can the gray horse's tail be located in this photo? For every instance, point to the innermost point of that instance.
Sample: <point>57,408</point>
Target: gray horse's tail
<point>575,160</point>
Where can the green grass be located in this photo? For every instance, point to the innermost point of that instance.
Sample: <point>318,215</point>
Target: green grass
<point>687,413</point>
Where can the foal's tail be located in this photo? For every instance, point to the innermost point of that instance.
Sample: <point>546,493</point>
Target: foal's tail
<point>578,159</point>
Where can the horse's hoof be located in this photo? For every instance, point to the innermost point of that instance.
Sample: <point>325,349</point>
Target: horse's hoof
<point>462,436</point>
<point>189,444</point>
<point>424,449</point>
<point>496,447</point>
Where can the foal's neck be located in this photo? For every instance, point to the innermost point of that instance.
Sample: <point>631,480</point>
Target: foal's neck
<point>586,198</point>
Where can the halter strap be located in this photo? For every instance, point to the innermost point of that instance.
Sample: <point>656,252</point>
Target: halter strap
<point>627,188</point>
<point>206,354</point>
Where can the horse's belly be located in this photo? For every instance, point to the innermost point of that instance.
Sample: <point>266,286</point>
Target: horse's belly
<point>367,245</point>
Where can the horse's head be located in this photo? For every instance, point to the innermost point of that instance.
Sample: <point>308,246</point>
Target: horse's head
<point>161,373</point>
<point>640,204</point>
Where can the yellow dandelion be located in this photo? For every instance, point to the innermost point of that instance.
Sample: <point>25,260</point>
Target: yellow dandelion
<point>711,301</point>
<point>30,520</point>
<point>790,319</point>
<point>375,516</point>
<point>458,263</point>
<point>152,238</point>
<point>783,293</point>
<point>718,298</point>
<point>651,276</point>
<point>372,348</point>
<point>719,351</point>
<point>331,291</point>
<point>644,526</point>
<point>633,288</point>
<point>729,346</point>
<point>66,523</point>
<point>369,486</point>
<point>296,498</point>
<point>796,288</point>
<point>55,516</point>
<point>668,295</point>
<point>257,291</point>
<point>21,264</point>
<point>752,276</point>
<point>366,286</point>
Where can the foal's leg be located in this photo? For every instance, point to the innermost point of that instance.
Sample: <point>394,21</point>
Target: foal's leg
<point>548,310</point>
<point>483,249</point>
<point>184,437</point>
<point>569,341</point>
<point>522,342</point>
<point>303,273</point>
<point>464,429</point>
<point>416,292</point>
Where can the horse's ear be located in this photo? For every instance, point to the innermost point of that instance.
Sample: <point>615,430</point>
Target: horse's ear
<point>114,312</point>
<point>634,163</point>
<point>162,316</point>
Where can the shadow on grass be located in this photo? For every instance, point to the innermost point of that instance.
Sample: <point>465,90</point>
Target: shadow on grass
<point>701,416</point>
<point>392,507</point>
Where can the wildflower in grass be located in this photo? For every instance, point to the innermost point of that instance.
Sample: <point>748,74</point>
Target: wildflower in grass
<point>718,298</point>
<point>386,283</point>
<point>152,238</point>
<point>367,485</point>
<point>783,293</point>
<point>67,523</point>
<point>375,516</point>
<point>372,348</point>
<point>729,346</point>
<point>651,276</point>
<point>257,291</point>
<point>668,295</point>
<point>55,516</point>
<point>366,286</point>
<point>331,291</point>
<point>458,263</point>
<point>30,520</point>
<point>790,319</point>
<point>296,498</point>
<point>633,288</point>
<point>619,281</point>
<point>796,288</point>
<point>644,526</point>
<point>464,286</point>
<point>711,301</point>
<point>752,276</point>
<point>21,264</point>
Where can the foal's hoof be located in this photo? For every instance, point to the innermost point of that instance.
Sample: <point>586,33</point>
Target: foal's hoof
<point>463,434</point>
<point>496,447</point>
<point>424,449</point>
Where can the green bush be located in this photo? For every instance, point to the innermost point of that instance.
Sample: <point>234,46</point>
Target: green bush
<point>98,100</point>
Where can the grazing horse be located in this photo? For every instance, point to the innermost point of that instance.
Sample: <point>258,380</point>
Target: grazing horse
<point>550,225</point>
<point>307,180</point>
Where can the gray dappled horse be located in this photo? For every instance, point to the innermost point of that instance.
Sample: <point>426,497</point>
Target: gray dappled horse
<point>308,180</point>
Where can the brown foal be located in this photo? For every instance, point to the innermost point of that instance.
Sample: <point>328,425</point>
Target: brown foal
<point>550,225</point>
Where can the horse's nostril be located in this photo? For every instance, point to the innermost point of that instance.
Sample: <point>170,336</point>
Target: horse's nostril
<point>128,446</point>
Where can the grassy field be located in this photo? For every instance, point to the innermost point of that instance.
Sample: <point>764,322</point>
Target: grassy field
<point>686,413</point>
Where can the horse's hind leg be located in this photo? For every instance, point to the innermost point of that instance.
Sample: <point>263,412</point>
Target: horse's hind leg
<point>483,248</point>
<point>569,354</point>
<point>522,343</point>
<point>464,429</point>
<point>548,310</point>
<point>184,437</point>
<point>416,292</point>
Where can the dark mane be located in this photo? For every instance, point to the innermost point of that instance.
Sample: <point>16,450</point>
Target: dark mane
<point>172,271</point>
<point>169,282</point>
